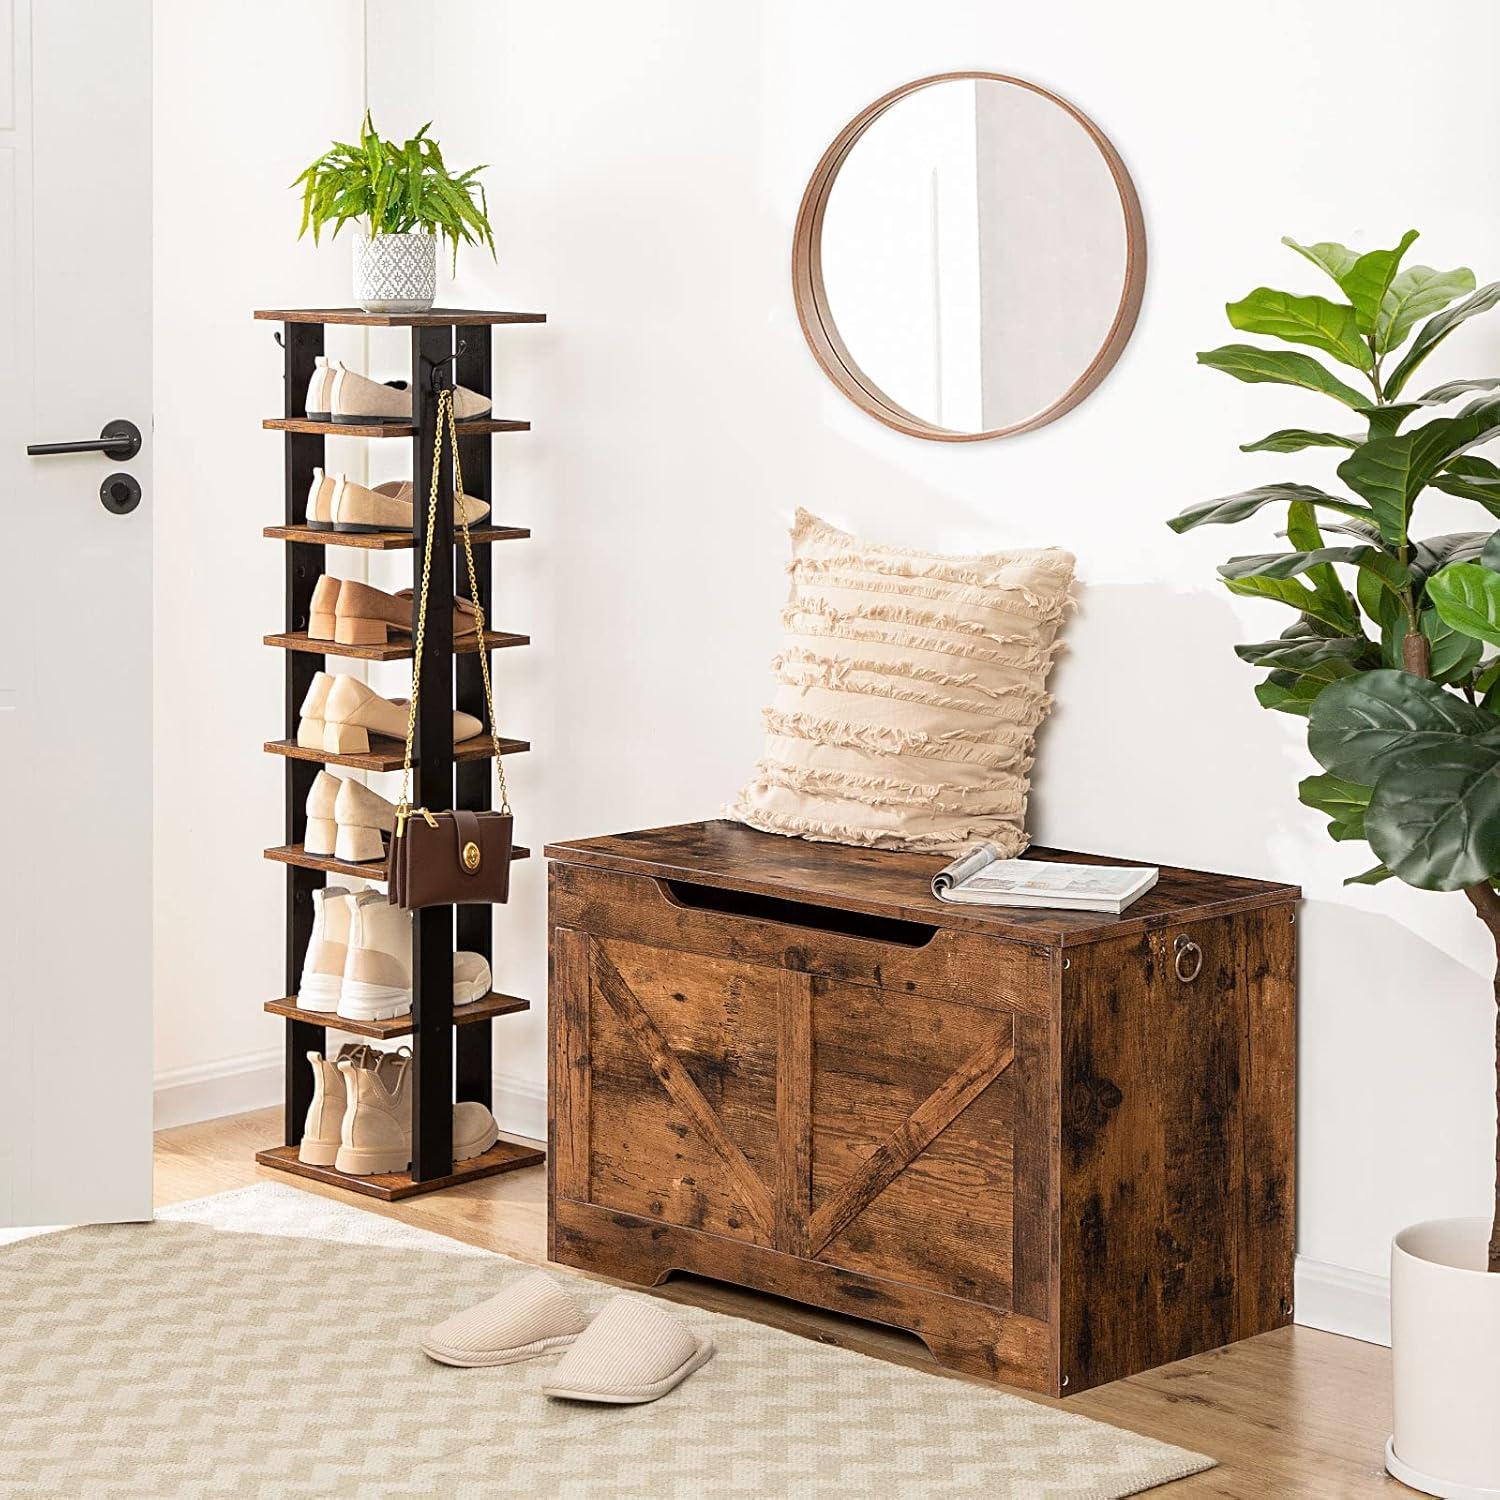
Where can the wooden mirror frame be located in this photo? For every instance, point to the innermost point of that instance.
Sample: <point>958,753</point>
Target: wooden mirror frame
<point>822,333</point>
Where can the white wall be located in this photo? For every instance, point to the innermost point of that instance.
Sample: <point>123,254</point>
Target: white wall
<point>649,160</point>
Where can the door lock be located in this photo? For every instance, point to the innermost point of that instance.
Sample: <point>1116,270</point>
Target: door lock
<point>120,494</point>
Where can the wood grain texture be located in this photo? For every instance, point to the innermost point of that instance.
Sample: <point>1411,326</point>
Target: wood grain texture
<point>485,1009</point>
<point>1161,1256</point>
<point>965,1336</point>
<point>794,1102</point>
<point>680,1086</point>
<point>912,1136</point>
<point>433,317</point>
<point>570,1077</point>
<point>386,754</point>
<point>470,427</point>
<point>503,1156</point>
<point>397,649</point>
<point>385,541</point>
<point>1296,1414</point>
<point>373,869</point>
<point>895,885</point>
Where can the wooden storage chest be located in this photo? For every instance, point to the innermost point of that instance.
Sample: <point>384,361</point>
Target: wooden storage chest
<point>1058,1147</point>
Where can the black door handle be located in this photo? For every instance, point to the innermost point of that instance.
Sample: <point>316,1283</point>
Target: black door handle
<point>118,440</point>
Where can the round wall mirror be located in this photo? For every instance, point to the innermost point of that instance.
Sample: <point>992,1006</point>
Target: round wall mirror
<point>969,257</point>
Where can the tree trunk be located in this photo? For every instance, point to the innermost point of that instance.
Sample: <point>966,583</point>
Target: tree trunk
<point>1487,904</point>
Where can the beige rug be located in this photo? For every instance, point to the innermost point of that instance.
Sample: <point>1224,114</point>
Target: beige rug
<point>263,1343</point>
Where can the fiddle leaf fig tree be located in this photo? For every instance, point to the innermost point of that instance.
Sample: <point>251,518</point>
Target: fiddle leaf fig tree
<point>1393,656</point>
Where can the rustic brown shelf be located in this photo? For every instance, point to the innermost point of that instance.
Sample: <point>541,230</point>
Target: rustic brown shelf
<point>370,869</point>
<point>387,541</point>
<point>433,317</point>
<point>474,427</point>
<point>503,1156</point>
<point>477,1010</point>
<point>387,754</point>
<point>397,650</point>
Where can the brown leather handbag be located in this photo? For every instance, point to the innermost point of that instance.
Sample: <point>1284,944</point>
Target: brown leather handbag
<point>460,856</point>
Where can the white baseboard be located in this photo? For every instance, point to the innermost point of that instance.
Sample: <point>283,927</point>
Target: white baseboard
<point>208,1091</point>
<point>1338,1300</point>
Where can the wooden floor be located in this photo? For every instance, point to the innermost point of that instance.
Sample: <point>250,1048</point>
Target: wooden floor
<point>1289,1414</point>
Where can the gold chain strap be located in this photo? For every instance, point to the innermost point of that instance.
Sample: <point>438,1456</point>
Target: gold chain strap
<point>445,424</point>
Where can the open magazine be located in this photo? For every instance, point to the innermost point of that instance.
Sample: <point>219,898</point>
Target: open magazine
<point>980,877</point>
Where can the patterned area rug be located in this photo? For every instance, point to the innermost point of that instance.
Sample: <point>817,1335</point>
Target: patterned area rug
<point>263,1343</point>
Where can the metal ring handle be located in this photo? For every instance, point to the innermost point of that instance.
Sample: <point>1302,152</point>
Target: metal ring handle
<point>1187,958</point>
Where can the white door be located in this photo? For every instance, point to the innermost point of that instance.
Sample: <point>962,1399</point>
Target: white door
<point>75,613</point>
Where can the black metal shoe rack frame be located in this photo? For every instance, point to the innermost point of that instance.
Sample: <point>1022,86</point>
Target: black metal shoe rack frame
<point>450,1062</point>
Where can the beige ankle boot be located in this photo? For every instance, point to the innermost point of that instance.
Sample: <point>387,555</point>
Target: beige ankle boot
<point>366,616</point>
<point>375,1132</point>
<point>325,1116</point>
<point>355,398</point>
<point>385,508</point>
<point>310,725</point>
<point>351,712</point>
<point>375,1135</point>
<point>327,954</point>
<point>361,817</point>
<point>322,805</point>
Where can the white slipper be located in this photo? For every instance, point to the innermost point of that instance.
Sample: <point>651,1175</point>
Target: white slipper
<point>535,1316</point>
<point>634,1351</point>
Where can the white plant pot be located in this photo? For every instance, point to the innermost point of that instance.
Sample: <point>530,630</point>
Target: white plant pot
<point>1445,1358</point>
<point>395,272</point>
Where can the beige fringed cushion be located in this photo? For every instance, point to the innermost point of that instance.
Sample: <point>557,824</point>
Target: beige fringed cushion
<point>908,693</point>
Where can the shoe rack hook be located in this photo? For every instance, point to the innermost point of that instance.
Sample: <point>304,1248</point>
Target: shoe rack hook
<point>277,336</point>
<point>437,365</point>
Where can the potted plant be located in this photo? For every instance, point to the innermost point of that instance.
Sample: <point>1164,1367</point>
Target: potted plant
<point>405,199</point>
<point>1399,681</point>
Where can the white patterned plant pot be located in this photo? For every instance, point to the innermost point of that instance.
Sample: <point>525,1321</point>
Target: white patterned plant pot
<point>395,273</point>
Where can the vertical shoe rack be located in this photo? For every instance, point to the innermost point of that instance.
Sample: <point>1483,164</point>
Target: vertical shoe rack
<point>451,1045</point>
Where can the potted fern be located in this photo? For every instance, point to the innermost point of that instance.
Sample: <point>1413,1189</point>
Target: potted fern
<point>1399,680</point>
<point>404,200</point>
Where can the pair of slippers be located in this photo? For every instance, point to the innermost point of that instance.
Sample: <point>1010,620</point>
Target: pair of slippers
<point>633,1351</point>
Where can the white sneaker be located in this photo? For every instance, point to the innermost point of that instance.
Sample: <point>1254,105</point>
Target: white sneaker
<point>327,949</point>
<point>377,970</point>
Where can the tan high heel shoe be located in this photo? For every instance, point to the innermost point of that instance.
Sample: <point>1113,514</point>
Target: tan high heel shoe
<point>352,712</point>
<point>385,508</point>
<point>310,725</point>
<point>322,828</point>
<point>357,399</point>
<point>366,616</point>
<point>361,816</point>
<point>322,613</point>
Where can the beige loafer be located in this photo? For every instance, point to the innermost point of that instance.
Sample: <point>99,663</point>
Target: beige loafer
<point>320,501</point>
<point>533,1316</point>
<point>357,509</point>
<point>310,728</point>
<point>366,616</point>
<point>352,712</point>
<point>634,1351</point>
<point>357,399</point>
<point>360,817</point>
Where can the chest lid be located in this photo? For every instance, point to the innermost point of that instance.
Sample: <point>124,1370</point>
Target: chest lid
<point>880,882</point>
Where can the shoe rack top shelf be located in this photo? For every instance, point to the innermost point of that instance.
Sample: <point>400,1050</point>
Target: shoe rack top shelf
<point>369,869</point>
<point>433,317</point>
<point>470,426</point>
<point>398,650</point>
<point>490,1006</point>
<point>386,541</point>
<point>386,754</point>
